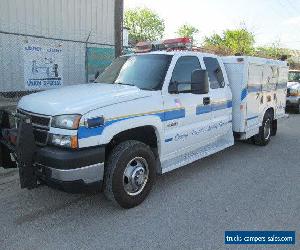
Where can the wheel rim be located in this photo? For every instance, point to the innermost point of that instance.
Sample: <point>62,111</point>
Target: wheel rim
<point>135,176</point>
<point>267,129</point>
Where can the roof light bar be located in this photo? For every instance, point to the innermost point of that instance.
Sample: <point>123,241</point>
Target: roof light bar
<point>169,44</point>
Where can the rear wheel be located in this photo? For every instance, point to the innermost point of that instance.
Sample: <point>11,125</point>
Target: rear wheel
<point>274,128</point>
<point>265,131</point>
<point>298,109</point>
<point>129,174</point>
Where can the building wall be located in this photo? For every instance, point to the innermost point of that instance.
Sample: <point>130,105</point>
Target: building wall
<point>67,19</point>
<point>62,23</point>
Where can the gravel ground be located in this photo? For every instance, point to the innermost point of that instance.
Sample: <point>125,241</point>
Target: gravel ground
<point>242,188</point>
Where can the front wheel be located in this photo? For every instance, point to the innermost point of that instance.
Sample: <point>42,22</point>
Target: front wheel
<point>265,131</point>
<point>129,174</point>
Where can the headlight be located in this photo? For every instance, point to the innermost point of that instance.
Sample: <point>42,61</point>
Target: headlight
<point>66,121</point>
<point>65,141</point>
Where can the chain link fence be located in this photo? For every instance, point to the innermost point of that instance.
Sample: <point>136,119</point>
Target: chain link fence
<point>33,63</point>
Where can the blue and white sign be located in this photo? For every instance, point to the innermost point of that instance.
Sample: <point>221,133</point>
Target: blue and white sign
<point>43,67</point>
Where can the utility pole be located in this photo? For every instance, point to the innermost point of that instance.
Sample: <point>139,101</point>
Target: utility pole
<point>119,12</point>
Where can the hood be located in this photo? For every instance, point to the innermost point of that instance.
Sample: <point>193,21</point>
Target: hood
<point>79,99</point>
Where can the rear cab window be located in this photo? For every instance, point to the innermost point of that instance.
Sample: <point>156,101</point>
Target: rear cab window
<point>215,73</point>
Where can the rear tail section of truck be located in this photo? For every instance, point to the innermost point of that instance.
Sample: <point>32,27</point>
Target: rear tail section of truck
<point>258,86</point>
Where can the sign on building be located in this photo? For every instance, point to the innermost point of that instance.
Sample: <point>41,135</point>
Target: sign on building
<point>43,67</point>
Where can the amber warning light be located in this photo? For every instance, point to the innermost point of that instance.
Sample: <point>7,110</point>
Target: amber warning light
<point>169,44</point>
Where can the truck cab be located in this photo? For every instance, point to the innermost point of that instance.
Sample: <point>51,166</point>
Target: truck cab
<point>146,114</point>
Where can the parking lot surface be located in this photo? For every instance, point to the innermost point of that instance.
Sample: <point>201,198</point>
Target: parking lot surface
<point>245,187</point>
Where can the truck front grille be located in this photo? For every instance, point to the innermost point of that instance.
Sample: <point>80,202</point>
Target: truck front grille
<point>41,126</point>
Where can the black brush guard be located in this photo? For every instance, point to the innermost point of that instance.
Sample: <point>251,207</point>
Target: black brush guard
<point>18,147</point>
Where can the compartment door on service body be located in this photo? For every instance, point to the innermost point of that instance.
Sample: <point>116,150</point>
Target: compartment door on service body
<point>255,95</point>
<point>221,99</point>
<point>185,129</point>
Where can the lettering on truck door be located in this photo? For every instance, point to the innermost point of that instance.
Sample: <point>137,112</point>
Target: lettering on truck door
<point>188,116</point>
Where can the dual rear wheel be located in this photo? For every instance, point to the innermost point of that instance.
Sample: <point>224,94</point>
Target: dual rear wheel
<point>268,129</point>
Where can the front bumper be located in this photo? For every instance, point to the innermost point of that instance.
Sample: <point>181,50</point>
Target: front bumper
<point>54,166</point>
<point>293,101</point>
<point>83,167</point>
<point>72,180</point>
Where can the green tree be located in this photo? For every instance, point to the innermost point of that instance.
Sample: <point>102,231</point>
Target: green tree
<point>187,30</point>
<point>274,51</point>
<point>239,41</point>
<point>144,25</point>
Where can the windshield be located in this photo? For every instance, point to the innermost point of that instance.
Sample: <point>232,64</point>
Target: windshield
<point>143,71</point>
<point>294,76</point>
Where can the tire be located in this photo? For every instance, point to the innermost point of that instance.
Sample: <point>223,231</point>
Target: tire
<point>129,174</point>
<point>298,109</point>
<point>274,128</point>
<point>265,131</point>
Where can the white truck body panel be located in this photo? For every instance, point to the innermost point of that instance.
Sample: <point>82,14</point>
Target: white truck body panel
<point>257,84</point>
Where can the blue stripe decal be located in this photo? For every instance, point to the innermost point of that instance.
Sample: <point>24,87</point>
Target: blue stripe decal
<point>254,88</point>
<point>84,132</point>
<point>174,114</point>
<point>244,94</point>
<point>252,118</point>
<point>204,109</point>
<point>259,88</point>
<point>281,86</point>
<point>169,140</point>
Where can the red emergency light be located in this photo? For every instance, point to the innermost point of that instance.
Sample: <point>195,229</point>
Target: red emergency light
<point>184,43</point>
<point>143,47</point>
<point>178,42</point>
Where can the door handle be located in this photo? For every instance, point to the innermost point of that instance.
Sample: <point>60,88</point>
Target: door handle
<point>206,100</point>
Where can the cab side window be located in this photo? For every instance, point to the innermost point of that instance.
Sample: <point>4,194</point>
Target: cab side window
<point>215,74</point>
<point>182,72</point>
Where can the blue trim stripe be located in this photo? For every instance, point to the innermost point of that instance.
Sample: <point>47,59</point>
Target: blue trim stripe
<point>254,88</point>
<point>281,85</point>
<point>169,140</point>
<point>204,109</point>
<point>252,118</point>
<point>260,87</point>
<point>84,132</point>
<point>244,94</point>
<point>173,115</point>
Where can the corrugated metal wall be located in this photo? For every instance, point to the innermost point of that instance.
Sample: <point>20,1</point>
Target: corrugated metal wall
<point>67,19</point>
<point>59,19</point>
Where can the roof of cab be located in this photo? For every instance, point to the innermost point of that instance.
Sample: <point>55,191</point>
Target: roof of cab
<point>176,52</point>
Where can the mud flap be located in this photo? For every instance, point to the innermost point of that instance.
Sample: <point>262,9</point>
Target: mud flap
<point>25,151</point>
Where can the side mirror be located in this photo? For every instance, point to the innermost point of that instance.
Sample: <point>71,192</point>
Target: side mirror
<point>199,82</point>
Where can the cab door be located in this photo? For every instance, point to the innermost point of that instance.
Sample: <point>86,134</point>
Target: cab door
<point>187,115</point>
<point>221,98</point>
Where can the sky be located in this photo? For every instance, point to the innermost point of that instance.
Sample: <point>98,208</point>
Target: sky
<point>272,21</point>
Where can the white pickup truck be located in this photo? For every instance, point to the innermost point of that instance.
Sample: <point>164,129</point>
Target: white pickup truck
<point>146,114</point>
